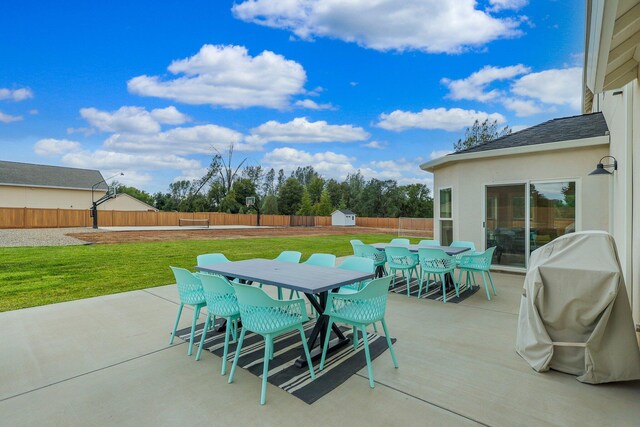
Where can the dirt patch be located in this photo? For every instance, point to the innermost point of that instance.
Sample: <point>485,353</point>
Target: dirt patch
<point>172,235</point>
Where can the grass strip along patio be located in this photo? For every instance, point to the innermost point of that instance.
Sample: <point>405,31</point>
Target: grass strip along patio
<point>33,276</point>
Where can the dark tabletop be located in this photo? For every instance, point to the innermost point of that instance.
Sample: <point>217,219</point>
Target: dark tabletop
<point>300,277</point>
<point>449,250</point>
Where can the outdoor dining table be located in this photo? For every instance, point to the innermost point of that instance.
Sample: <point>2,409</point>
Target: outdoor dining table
<point>449,250</point>
<point>315,282</point>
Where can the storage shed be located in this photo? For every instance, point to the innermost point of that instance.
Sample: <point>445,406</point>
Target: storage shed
<point>343,217</point>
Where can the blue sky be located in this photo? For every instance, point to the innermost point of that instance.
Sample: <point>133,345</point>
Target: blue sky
<point>149,88</point>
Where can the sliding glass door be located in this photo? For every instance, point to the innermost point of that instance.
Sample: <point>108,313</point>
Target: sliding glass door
<point>505,224</point>
<point>519,218</point>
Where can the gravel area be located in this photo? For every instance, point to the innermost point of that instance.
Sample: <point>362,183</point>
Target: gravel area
<point>42,236</point>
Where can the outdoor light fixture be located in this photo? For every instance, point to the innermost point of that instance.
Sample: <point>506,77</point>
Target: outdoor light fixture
<point>95,203</point>
<point>601,168</point>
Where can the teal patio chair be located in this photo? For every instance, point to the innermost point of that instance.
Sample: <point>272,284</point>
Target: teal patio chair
<point>479,262</point>
<point>360,264</point>
<point>270,318</point>
<point>354,243</point>
<point>191,293</point>
<point>320,260</point>
<point>211,259</point>
<point>463,244</point>
<point>432,242</point>
<point>436,262</point>
<point>221,302</point>
<point>401,259</point>
<point>379,257</point>
<point>286,256</point>
<point>360,310</point>
<point>399,242</point>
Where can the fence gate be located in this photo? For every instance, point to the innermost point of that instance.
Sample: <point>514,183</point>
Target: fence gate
<point>302,221</point>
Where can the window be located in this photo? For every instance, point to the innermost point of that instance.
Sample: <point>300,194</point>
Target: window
<point>446,216</point>
<point>553,211</point>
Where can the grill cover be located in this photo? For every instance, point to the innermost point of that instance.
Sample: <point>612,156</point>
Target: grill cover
<point>574,312</point>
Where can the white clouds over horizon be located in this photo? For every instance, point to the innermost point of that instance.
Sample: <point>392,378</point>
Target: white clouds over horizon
<point>386,24</point>
<point>8,118</point>
<point>227,76</point>
<point>527,93</point>
<point>132,119</point>
<point>301,130</point>
<point>453,119</point>
<point>16,95</point>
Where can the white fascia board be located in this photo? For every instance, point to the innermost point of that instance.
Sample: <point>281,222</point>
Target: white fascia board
<point>8,184</point>
<point>527,149</point>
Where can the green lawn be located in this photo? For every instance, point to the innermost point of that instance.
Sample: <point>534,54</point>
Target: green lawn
<point>33,276</point>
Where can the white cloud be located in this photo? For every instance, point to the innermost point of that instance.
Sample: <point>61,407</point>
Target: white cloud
<point>453,119</point>
<point>55,147</point>
<point>329,164</point>
<point>434,26</point>
<point>554,86</point>
<point>375,144</point>
<point>474,87</point>
<point>15,94</point>
<point>522,107</point>
<point>132,119</point>
<point>103,159</point>
<point>498,5</point>
<point>131,177</point>
<point>402,170</point>
<point>436,154</point>
<point>312,105</point>
<point>181,140</point>
<point>300,130</point>
<point>227,76</point>
<point>8,118</point>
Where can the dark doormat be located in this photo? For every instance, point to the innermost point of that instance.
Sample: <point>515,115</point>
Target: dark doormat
<point>283,373</point>
<point>435,290</point>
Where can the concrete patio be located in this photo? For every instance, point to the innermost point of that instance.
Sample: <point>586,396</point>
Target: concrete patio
<point>105,361</point>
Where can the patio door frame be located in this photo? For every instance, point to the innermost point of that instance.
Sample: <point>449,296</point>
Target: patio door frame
<point>527,213</point>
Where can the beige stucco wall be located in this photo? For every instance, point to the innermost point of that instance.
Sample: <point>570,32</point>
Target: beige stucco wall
<point>124,202</point>
<point>54,198</point>
<point>469,178</point>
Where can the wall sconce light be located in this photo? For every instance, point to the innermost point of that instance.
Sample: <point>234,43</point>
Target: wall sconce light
<point>601,168</point>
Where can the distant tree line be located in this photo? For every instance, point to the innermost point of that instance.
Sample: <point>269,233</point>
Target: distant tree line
<point>224,188</point>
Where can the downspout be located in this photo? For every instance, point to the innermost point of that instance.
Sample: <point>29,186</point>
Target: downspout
<point>628,178</point>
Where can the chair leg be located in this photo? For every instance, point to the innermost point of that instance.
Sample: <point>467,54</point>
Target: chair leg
<point>366,353</point>
<point>455,285</point>
<point>386,334</point>
<point>225,353</point>
<point>204,335</point>
<point>393,273</point>
<point>491,280</point>
<point>196,314</point>
<point>486,288</point>
<point>236,356</point>
<point>175,325</point>
<point>279,292</point>
<point>420,283</point>
<point>270,338</point>
<point>325,345</point>
<point>375,328</point>
<point>444,289</point>
<point>355,338</point>
<point>407,274</point>
<point>265,369</point>
<point>306,352</point>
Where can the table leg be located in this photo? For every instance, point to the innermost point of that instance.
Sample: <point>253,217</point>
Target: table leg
<point>379,272</point>
<point>320,330</point>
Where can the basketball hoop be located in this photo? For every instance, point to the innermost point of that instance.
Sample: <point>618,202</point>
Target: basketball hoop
<point>250,201</point>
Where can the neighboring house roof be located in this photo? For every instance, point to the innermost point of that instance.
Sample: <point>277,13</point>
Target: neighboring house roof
<point>344,211</point>
<point>574,131</point>
<point>32,175</point>
<point>133,199</point>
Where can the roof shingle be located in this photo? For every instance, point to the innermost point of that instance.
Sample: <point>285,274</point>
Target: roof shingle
<point>28,174</point>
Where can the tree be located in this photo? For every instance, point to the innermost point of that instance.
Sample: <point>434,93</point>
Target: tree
<point>270,205</point>
<point>229,203</point>
<point>269,186</point>
<point>244,188</point>
<point>224,168</point>
<point>335,192</point>
<point>480,133</point>
<point>304,175</point>
<point>417,201</point>
<point>324,207</point>
<point>281,180</point>
<point>306,207</point>
<point>180,190</point>
<point>290,196</point>
<point>315,187</point>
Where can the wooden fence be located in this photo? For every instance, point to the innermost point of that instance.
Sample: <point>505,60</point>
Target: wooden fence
<point>56,218</point>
